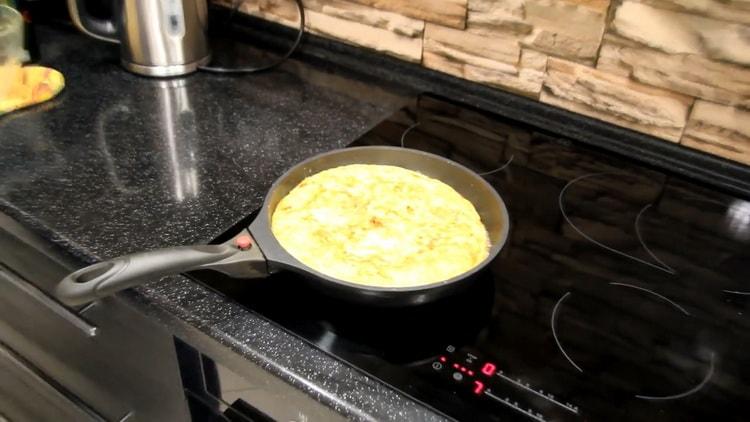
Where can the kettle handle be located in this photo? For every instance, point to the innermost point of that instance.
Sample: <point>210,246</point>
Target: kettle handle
<point>101,29</point>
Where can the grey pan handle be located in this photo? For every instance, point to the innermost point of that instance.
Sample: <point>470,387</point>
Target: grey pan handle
<point>107,277</point>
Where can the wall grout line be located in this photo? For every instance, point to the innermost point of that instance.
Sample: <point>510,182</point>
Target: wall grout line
<point>687,120</point>
<point>608,19</point>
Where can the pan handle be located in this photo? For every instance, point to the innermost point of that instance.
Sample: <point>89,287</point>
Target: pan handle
<point>105,278</point>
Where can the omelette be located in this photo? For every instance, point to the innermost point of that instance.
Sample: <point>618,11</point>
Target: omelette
<point>381,226</point>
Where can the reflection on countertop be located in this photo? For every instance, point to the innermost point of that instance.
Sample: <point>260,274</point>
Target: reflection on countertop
<point>170,109</point>
<point>120,162</point>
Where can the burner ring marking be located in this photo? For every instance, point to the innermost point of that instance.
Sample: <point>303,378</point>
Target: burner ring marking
<point>661,267</point>
<point>408,129</point>
<point>640,239</point>
<point>664,298</point>
<point>486,173</point>
<point>693,390</point>
<point>555,311</point>
<point>499,169</point>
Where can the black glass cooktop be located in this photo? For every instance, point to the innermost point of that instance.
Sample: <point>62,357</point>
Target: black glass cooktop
<point>623,292</point>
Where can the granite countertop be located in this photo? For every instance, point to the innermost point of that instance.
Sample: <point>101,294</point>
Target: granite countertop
<point>119,163</point>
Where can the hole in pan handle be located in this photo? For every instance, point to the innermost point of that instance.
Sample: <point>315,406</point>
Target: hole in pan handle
<point>105,278</point>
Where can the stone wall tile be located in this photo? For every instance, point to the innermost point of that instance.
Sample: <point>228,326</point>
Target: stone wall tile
<point>615,99</point>
<point>682,33</point>
<point>730,11</point>
<point>445,12</point>
<point>719,130</point>
<point>570,29</point>
<point>383,31</point>
<point>490,58</point>
<point>498,15</point>
<point>688,74</point>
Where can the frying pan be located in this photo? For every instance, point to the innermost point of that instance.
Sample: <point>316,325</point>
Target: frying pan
<point>256,253</point>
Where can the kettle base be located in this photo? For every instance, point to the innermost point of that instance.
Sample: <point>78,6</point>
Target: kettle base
<point>162,71</point>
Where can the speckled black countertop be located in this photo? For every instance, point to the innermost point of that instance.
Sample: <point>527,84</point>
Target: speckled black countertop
<point>119,163</point>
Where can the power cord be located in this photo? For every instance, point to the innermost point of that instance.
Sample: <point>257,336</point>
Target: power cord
<point>300,33</point>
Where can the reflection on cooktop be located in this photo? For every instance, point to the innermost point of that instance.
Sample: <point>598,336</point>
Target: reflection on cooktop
<point>652,359</point>
<point>404,335</point>
<point>622,293</point>
<point>655,262</point>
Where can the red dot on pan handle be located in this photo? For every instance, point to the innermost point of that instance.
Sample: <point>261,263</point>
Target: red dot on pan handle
<point>243,242</point>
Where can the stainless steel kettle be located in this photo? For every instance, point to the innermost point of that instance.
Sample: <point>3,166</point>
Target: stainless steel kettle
<point>156,37</point>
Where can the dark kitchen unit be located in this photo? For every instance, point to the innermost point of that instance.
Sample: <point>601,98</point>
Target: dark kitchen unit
<point>622,293</point>
<point>98,362</point>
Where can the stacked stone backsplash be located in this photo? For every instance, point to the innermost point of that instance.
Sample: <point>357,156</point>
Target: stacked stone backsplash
<point>676,69</point>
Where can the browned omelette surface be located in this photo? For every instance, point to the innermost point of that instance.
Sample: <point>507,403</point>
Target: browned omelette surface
<point>380,225</point>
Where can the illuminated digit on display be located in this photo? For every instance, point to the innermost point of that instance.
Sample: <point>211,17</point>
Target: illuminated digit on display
<point>478,387</point>
<point>489,369</point>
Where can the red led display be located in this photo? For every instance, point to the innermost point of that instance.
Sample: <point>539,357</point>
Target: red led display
<point>471,372</point>
<point>442,359</point>
<point>478,387</point>
<point>489,369</point>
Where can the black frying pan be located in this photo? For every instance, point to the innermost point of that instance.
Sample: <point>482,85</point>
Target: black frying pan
<point>266,255</point>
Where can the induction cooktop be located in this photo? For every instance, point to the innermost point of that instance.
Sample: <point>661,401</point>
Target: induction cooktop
<point>622,293</point>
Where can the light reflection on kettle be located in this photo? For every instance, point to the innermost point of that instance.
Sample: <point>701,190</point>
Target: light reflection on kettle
<point>172,129</point>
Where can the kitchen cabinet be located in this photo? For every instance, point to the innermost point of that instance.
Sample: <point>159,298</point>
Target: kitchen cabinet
<point>106,356</point>
<point>27,394</point>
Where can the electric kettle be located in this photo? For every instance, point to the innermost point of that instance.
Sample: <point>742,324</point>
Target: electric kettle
<point>156,37</point>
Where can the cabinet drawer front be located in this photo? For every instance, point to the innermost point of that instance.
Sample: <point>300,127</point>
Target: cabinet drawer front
<point>41,298</point>
<point>27,394</point>
<point>112,357</point>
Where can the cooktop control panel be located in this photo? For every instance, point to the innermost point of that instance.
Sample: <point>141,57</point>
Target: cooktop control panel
<point>465,372</point>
